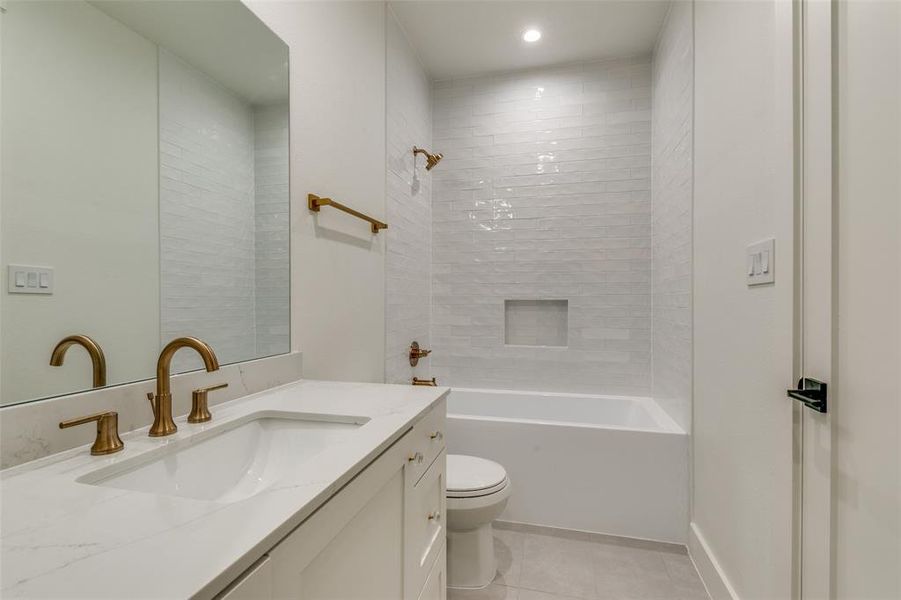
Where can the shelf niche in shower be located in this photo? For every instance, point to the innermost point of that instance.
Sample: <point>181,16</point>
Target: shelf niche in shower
<point>536,322</point>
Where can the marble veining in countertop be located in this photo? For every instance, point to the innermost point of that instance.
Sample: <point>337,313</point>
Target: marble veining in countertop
<point>63,539</point>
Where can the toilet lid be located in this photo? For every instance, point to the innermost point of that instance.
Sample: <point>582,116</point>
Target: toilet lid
<point>471,475</point>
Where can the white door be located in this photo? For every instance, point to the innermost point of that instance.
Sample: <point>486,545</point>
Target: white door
<point>866,510</point>
<point>815,301</point>
<point>848,307</point>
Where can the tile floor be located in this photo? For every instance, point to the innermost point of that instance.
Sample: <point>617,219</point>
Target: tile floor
<point>561,565</point>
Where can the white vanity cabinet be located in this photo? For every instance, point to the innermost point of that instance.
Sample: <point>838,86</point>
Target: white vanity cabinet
<point>382,536</point>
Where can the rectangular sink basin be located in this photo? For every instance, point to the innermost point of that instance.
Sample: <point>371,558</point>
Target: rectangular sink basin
<point>234,462</point>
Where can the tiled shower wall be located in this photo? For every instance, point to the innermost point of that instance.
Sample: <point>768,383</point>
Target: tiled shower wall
<point>671,214</point>
<point>544,194</point>
<point>206,214</point>
<point>409,210</point>
<point>272,229</point>
<point>223,218</point>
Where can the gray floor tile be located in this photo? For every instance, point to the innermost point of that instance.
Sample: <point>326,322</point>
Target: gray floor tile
<point>685,577</point>
<point>508,546</point>
<point>534,595</point>
<point>492,592</point>
<point>558,565</point>
<point>575,566</point>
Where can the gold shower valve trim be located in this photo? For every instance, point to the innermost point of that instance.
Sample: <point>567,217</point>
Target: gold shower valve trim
<point>416,353</point>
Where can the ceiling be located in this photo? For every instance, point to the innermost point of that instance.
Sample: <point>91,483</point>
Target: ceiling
<point>455,38</point>
<point>223,39</point>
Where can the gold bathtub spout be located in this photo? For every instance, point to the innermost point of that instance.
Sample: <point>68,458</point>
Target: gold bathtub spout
<point>163,424</point>
<point>98,360</point>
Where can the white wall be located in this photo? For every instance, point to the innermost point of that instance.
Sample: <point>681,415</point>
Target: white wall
<point>79,188</point>
<point>207,224</point>
<point>742,421</point>
<point>337,52</point>
<point>867,410</point>
<point>671,195</point>
<point>544,193</point>
<point>409,197</point>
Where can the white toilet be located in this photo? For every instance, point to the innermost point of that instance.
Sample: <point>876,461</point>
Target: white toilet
<point>477,492</point>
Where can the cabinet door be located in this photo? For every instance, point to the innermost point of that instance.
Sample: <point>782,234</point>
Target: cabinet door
<point>365,560</point>
<point>352,547</point>
<point>435,587</point>
<point>255,584</point>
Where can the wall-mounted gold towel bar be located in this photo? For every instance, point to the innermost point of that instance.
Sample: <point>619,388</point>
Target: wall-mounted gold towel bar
<point>429,382</point>
<point>314,203</point>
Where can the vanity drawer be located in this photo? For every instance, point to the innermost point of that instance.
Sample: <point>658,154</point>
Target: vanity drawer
<point>427,441</point>
<point>424,524</point>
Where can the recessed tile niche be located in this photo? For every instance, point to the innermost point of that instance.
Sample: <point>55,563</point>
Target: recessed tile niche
<point>536,322</point>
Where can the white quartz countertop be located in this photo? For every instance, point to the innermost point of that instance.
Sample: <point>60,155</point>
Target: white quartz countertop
<point>63,539</point>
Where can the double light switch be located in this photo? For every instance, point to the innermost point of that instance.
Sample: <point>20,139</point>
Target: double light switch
<point>761,261</point>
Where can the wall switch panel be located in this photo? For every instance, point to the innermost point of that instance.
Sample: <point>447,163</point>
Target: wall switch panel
<point>761,262</point>
<point>29,280</point>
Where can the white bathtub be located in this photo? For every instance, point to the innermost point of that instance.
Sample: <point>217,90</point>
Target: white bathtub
<point>607,464</point>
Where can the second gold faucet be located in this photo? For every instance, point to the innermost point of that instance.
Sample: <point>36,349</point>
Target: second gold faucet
<point>163,423</point>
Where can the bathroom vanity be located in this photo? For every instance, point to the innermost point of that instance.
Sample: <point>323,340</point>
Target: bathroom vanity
<point>310,490</point>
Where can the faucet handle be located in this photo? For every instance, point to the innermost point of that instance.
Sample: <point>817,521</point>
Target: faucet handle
<point>107,440</point>
<point>152,398</point>
<point>200,412</point>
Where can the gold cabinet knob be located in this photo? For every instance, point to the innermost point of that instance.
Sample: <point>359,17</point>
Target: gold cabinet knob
<point>435,516</point>
<point>436,435</point>
<point>200,412</point>
<point>415,457</point>
<point>107,440</point>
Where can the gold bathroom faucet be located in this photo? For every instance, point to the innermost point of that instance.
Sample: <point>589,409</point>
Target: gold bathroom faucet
<point>163,424</point>
<point>98,360</point>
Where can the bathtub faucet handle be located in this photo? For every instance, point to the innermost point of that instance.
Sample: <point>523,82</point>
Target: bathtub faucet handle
<point>416,353</point>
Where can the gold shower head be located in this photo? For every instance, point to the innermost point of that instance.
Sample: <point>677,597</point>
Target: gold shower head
<point>430,159</point>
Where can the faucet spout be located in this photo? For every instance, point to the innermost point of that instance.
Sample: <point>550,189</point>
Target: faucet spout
<point>98,360</point>
<point>163,424</point>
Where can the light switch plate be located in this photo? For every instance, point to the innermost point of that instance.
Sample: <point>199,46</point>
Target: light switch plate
<point>760,262</point>
<point>22,279</point>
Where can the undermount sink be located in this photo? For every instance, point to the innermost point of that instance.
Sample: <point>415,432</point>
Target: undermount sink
<point>233,462</point>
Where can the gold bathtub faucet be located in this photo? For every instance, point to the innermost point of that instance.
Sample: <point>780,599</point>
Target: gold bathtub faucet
<point>163,424</point>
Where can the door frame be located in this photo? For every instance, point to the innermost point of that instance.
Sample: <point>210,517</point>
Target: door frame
<point>815,287</point>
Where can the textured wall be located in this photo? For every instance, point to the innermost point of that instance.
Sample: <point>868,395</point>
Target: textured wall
<point>409,210</point>
<point>272,229</point>
<point>544,193</point>
<point>206,214</point>
<point>671,189</point>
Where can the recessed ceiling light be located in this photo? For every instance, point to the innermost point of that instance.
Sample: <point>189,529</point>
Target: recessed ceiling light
<point>531,35</point>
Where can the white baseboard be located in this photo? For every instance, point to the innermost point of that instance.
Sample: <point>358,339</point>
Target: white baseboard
<point>708,567</point>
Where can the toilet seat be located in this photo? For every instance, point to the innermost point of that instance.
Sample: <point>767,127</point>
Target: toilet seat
<point>473,477</point>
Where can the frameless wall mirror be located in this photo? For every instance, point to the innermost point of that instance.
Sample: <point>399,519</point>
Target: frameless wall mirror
<point>144,188</point>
